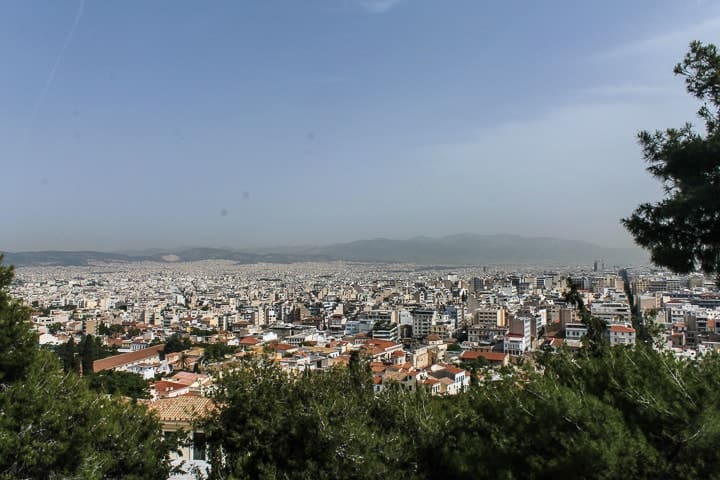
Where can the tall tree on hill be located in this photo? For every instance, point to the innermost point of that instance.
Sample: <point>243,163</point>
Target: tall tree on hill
<point>68,356</point>
<point>88,353</point>
<point>682,231</point>
<point>176,343</point>
<point>18,344</point>
<point>53,426</point>
<point>596,327</point>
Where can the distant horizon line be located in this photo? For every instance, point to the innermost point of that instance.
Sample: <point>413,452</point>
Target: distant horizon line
<point>177,248</point>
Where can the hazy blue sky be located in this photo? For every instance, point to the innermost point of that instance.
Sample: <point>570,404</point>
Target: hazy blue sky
<point>132,124</point>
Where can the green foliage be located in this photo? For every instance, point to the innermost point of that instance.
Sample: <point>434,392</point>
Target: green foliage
<point>475,365</point>
<point>595,338</point>
<point>88,350</point>
<point>201,332</point>
<point>111,330</point>
<point>54,328</point>
<point>682,231</point>
<point>53,426</point>
<point>315,426</point>
<point>594,414</point>
<point>177,343</point>
<point>126,384</point>
<point>670,405</point>
<point>68,356</point>
<point>133,332</point>
<point>18,343</point>
<point>215,352</point>
<point>454,347</point>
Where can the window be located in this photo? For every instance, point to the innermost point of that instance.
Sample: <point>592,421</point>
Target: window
<point>198,447</point>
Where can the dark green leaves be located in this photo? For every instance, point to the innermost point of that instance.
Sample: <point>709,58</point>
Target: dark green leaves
<point>52,425</point>
<point>682,231</point>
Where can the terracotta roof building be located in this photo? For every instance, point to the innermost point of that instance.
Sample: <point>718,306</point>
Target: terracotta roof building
<point>124,360</point>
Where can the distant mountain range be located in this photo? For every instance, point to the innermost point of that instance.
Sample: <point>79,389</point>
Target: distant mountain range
<point>79,258</point>
<point>463,249</point>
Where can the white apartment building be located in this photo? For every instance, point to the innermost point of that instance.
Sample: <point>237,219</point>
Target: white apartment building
<point>518,341</point>
<point>621,335</point>
<point>575,331</point>
<point>611,312</point>
<point>516,344</point>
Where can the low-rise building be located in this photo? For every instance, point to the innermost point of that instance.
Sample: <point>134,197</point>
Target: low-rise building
<point>621,335</point>
<point>178,416</point>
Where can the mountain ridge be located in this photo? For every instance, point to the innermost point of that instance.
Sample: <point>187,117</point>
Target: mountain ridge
<point>457,249</point>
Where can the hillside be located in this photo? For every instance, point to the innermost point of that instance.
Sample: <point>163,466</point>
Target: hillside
<point>463,249</point>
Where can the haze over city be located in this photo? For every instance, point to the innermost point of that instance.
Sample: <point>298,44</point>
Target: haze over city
<point>359,239</point>
<point>244,124</point>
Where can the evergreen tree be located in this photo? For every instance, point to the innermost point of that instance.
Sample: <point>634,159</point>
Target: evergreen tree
<point>53,426</point>
<point>88,350</point>
<point>18,343</point>
<point>176,343</point>
<point>596,328</point>
<point>682,231</point>
<point>68,356</point>
<point>126,384</point>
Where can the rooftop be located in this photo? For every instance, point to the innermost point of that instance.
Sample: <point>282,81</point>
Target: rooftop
<point>185,408</point>
<point>126,358</point>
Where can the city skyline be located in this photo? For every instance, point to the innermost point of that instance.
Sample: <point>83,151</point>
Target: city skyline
<point>359,239</point>
<point>133,126</point>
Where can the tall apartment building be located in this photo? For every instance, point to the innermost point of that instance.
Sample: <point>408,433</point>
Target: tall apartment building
<point>385,331</point>
<point>518,340</point>
<point>423,320</point>
<point>647,302</point>
<point>490,316</point>
<point>544,282</point>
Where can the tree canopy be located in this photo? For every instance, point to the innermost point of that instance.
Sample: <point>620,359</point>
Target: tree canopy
<point>592,414</point>
<point>176,343</point>
<point>682,231</point>
<point>126,384</point>
<point>52,425</point>
<point>17,341</point>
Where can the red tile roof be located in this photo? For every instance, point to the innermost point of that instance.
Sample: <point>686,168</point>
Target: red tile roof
<point>126,358</point>
<point>454,370</point>
<point>185,408</point>
<point>162,387</point>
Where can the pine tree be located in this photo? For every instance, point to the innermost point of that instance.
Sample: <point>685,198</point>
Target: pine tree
<point>18,343</point>
<point>68,356</point>
<point>53,426</point>
<point>682,231</point>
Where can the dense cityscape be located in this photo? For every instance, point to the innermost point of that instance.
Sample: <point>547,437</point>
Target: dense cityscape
<point>420,327</point>
<point>360,239</point>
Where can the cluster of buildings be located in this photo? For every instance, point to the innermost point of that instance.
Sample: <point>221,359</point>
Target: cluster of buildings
<point>316,314</point>
<point>418,327</point>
